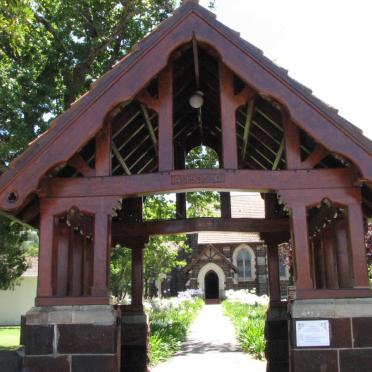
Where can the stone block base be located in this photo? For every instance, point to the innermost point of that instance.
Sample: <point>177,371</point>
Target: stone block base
<point>71,339</point>
<point>134,340</point>
<point>10,361</point>
<point>350,323</point>
<point>276,334</point>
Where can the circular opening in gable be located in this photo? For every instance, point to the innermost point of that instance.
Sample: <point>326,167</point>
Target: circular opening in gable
<point>12,197</point>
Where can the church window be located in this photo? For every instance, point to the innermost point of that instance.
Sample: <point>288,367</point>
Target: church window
<point>244,263</point>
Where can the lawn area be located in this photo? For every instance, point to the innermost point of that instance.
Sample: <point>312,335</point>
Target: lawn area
<point>9,338</point>
<point>248,318</point>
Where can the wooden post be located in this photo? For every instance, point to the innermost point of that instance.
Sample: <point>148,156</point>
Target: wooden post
<point>343,255</point>
<point>292,144</point>
<point>273,269</point>
<point>330,257</point>
<point>103,151</point>
<point>356,234</point>
<point>181,210</point>
<point>165,112</point>
<point>318,270</point>
<point>228,122</point>
<point>61,259</point>
<point>137,246</point>
<point>137,275</point>
<point>102,222</point>
<point>76,289</point>
<point>225,204</point>
<point>45,275</point>
<point>301,243</point>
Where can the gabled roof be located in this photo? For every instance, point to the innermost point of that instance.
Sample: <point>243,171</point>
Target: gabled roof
<point>243,205</point>
<point>210,253</point>
<point>71,130</point>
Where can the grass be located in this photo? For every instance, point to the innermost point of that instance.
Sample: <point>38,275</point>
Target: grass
<point>169,329</point>
<point>9,338</point>
<point>249,324</point>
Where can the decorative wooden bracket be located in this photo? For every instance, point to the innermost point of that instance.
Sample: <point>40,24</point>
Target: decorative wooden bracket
<point>293,148</point>
<point>148,100</point>
<point>315,157</point>
<point>81,166</point>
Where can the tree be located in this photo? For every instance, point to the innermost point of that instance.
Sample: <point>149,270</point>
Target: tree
<point>52,50</point>
<point>205,203</point>
<point>162,252</point>
<point>50,53</point>
<point>120,270</point>
<point>12,253</point>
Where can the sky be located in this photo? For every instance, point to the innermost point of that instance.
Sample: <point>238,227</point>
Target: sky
<point>325,44</point>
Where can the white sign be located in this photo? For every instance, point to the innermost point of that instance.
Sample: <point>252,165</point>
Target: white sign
<point>312,333</point>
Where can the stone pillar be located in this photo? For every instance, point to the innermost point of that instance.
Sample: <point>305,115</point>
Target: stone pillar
<point>350,329</point>
<point>135,328</point>
<point>71,338</point>
<point>134,340</point>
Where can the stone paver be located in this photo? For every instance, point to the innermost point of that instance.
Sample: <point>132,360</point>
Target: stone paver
<point>211,346</point>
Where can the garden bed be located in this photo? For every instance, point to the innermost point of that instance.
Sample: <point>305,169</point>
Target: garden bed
<point>248,315</point>
<point>170,320</point>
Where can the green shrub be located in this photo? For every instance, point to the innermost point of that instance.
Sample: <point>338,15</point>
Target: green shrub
<point>168,328</point>
<point>249,324</point>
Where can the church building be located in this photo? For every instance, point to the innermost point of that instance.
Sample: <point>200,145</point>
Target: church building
<point>222,260</point>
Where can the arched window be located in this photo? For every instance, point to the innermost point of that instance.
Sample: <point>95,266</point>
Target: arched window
<point>245,260</point>
<point>244,264</point>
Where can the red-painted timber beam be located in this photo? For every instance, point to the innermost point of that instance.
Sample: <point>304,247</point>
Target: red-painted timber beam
<point>169,227</point>
<point>198,179</point>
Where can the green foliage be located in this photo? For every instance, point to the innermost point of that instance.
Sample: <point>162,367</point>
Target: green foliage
<point>50,53</point>
<point>12,255</point>
<point>120,268</point>
<point>162,255</point>
<point>31,244</point>
<point>169,329</point>
<point>162,252</point>
<point>202,157</point>
<point>159,207</point>
<point>206,203</point>
<point>249,324</point>
<point>52,50</point>
<point>9,338</point>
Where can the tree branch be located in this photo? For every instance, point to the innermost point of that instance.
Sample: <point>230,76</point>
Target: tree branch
<point>49,28</point>
<point>126,15</point>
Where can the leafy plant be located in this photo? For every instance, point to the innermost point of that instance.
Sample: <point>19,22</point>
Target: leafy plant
<point>169,322</point>
<point>12,255</point>
<point>249,324</point>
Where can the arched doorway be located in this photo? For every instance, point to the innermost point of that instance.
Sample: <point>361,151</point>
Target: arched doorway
<point>211,285</point>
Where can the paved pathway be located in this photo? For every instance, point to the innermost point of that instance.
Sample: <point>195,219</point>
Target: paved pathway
<point>211,346</point>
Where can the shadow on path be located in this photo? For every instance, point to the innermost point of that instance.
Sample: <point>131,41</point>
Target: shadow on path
<point>211,346</point>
